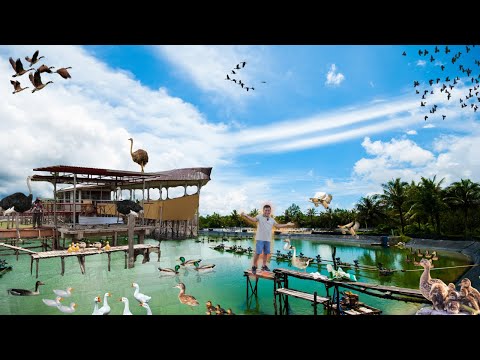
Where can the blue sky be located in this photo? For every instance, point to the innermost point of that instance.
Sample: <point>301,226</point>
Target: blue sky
<point>339,119</point>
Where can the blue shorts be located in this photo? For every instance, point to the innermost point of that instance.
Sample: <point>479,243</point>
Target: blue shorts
<point>262,246</point>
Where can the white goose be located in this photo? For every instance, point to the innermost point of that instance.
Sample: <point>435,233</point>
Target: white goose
<point>146,306</point>
<point>126,309</point>
<point>139,296</point>
<point>63,293</point>
<point>96,310</point>
<point>299,262</point>
<point>105,309</point>
<point>55,302</point>
<point>67,309</point>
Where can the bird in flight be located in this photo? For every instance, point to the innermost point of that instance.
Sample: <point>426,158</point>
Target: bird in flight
<point>404,53</point>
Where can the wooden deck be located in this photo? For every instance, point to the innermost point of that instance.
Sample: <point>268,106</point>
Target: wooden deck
<point>18,248</point>
<point>303,295</point>
<point>361,309</point>
<point>86,251</point>
<point>26,233</point>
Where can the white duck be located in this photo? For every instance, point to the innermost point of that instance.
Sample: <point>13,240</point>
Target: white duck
<point>55,302</point>
<point>146,306</point>
<point>126,309</point>
<point>63,293</point>
<point>96,310</point>
<point>300,263</point>
<point>287,245</point>
<point>139,296</point>
<point>105,309</point>
<point>67,309</point>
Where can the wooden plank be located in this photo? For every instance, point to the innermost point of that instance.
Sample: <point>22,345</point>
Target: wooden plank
<point>302,295</point>
<point>87,251</point>
<point>261,274</point>
<point>17,248</point>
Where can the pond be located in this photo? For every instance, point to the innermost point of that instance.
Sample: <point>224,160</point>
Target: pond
<point>224,285</point>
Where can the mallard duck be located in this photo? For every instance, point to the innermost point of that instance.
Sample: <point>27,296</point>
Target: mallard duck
<point>300,263</point>
<point>199,267</point>
<point>64,293</point>
<point>184,298</point>
<point>138,295</point>
<point>434,290</point>
<point>468,299</point>
<point>169,270</point>
<point>452,303</point>
<point>467,284</point>
<point>126,309</point>
<point>434,256</point>
<point>96,301</point>
<point>55,302</point>
<point>105,309</point>
<point>146,306</point>
<point>67,309</point>
<point>188,262</point>
<point>427,255</point>
<point>210,306</point>
<point>26,292</point>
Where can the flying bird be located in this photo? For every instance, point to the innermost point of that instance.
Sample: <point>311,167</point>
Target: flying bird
<point>351,228</point>
<point>404,53</point>
<point>45,68</point>
<point>18,67</point>
<point>37,81</point>
<point>34,58</point>
<point>63,72</point>
<point>321,198</point>
<point>140,156</point>
<point>16,85</point>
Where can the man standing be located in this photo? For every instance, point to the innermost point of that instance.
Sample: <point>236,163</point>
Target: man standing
<point>37,213</point>
<point>265,223</point>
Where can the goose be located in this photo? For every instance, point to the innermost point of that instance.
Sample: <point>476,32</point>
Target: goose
<point>34,58</point>
<point>64,293</point>
<point>67,309</point>
<point>203,267</point>
<point>184,298</point>
<point>96,301</point>
<point>105,309</point>
<point>45,68</point>
<point>300,263</point>
<point>287,245</point>
<point>188,262</point>
<point>26,292</point>
<point>170,271</point>
<point>146,306</point>
<point>138,295</point>
<point>63,72</point>
<point>17,86</point>
<point>18,67</point>
<point>55,302</point>
<point>126,309</point>
<point>37,81</point>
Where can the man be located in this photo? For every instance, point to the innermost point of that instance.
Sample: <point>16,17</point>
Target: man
<point>265,223</point>
<point>37,213</point>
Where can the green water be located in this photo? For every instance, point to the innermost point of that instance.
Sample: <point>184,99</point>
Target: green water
<point>225,285</point>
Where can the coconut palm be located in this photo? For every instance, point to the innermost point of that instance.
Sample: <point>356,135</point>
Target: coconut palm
<point>394,196</point>
<point>430,199</point>
<point>311,213</point>
<point>369,208</point>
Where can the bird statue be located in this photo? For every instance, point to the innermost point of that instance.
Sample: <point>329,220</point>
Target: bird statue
<point>17,86</point>
<point>36,80</point>
<point>184,298</point>
<point>321,198</point>
<point>34,58</point>
<point>63,72</point>
<point>127,207</point>
<point>18,67</point>
<point>140,156</point>
<point>26,292</point>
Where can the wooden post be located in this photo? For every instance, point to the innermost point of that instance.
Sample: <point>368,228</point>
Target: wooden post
<point>81,261</point>
<point>17,253</point>
<point>131,234</point>
<point>62,258</point>
<point>141,237</point>
<point>125,258</point>
<point>55,244</point>
<point>31,264</point>
<point>159,251</point>
<point>115,238</point>
<point>37,260</point>
<point>18,227</point>
<point>109,258</point>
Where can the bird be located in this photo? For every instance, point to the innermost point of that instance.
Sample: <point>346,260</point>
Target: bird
<point>17,87</point>
<point>243,63</point>
<point>219,310</point>
<point>17,202</point>
<point>105,309</point>
<point>63,72</point>
<point>128,207</point>
<point>434,290</point>
<point>34,58</point>
<point>64,293</point>
<point>26,292</point>
<point>146,306</point>
<point>18,67</point>
<point>140,156</point>
<point>96,301</point>
<point>188,262</point>
<point>467,284</point>
<point>55,302</point>
<point>404,53</point>
<point>139,296</point>
<point>169,270</point>
<point>210,307</point>
<point>351,228</point>
<point>126,309</point>
<point>203,267</point>
<point>184,298</point>
<point>298,262</point>
<point>106,247</point>
<point>287,245</point>
<point>229,312</point>
<point>45,68</point>
<point>321,198</point>
<point>67,309</point>
<point>37,81</point>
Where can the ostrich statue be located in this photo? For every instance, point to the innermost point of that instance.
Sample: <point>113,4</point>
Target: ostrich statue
<point>127,207</point>
<point>140,156</point>
<point>17,202</point>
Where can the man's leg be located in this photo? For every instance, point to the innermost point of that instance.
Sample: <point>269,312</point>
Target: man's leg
<point>266,251</point>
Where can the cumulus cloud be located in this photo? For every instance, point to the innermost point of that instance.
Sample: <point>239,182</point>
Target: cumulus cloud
<point>333,77</point>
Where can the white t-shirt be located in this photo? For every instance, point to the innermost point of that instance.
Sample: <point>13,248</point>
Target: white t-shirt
<point>264,228</point>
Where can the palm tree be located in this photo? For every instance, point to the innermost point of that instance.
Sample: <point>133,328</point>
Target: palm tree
<point>369,208</point>
<point>254,212</point>
<point>311,213</point>
<point>431,199</point>
<point>394,195</point>
<point>465,195</point>
<point>235,218</point>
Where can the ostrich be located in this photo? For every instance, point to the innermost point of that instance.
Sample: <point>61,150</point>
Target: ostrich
<point>140,156</point>
<point>17,202</point>
<point>34,58</point>
<point>127,207</point>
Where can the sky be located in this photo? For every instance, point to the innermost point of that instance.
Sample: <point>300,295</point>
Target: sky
<point>341,119</point>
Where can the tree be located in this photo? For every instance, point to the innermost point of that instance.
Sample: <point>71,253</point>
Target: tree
<point>311,213</point>
<point>294,213</point>
<point>394,196</point>
<point>431,199</point>
<point>235,218</point>
<point>369,208</point>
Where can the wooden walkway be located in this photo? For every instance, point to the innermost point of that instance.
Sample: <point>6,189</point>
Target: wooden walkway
<point>18,248</point>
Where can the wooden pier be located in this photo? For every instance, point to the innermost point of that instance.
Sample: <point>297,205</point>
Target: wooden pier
<point>26,233</point>
<point>81,232</point>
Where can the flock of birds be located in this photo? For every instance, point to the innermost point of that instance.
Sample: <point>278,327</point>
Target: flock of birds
<point>451,79</point>
<point>235,71</point>
<point>35,78</point>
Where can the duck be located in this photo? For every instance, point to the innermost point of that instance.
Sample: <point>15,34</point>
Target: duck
<point>300,263</point>
<point>219,310</point>
<point>64,293</point>
<point>169,270</point>
<point>126,309</point>
<point>434,255</point>
<point>138,295</point>
<point>419,253</point>
<point>77,248</point>
<point>67,309</point>
<point>199,267</point>
<point>427,255</point>
<point>82,245</point>
<point>97,245</point>
<point>188,262</point>
<point>210,306</point>
<point>287,245</point>
<point>146,306</point>
<point>467,284</point>
<point>434,290</point>
<point>96,301</point>
<point>229,312</point>
<point>26,292</point>
<point>105,309</point>
<point>468,299</point>
<point>55,302</point>
<point>452,303</point>
<point>107,247</point>
<point>184,298</point>
<point>70,248</point>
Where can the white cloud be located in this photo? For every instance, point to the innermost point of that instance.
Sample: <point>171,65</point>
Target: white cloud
<point>411,132</point>
<point>334,78</point>
<point>421,63</point>
<point>429,126</point>
<point>372,84</point>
